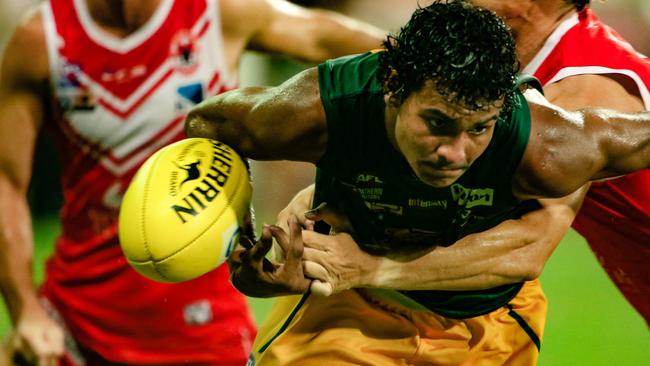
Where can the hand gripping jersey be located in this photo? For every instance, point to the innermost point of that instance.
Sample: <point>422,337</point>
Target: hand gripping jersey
<point>115,102</point>
<point>615,216</point>
<point>390,208</point>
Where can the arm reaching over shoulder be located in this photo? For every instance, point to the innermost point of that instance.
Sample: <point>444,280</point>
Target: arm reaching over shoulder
<point>568,149</point>
<point>266,123</point>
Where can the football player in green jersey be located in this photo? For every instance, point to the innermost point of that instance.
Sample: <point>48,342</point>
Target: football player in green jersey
<point>420,145</point>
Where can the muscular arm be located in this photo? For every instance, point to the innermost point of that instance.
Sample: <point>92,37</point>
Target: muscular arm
<point>310,35</point>
<point>568,149</point>
<point>513,251</point>
<point>518,249</point>
<point>20,114</point>
<point>263,123</point>
<point>23,75</point>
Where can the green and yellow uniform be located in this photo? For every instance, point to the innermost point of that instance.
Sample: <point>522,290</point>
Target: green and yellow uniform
<point>393,211</point>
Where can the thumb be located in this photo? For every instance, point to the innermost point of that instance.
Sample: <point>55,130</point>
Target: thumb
<point>321,288</point>
<point>331,216</point>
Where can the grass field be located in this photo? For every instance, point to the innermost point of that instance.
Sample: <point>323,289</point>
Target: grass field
<point>589,322</point>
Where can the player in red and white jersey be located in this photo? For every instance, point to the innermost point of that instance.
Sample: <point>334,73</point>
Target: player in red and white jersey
<point>111,82</point>
<point>615,215</point>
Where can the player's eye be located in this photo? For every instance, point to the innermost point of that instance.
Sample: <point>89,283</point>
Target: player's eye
<point>479,130</point>
<point>436,123</point>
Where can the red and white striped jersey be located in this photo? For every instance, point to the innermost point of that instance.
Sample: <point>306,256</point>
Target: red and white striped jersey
<point>615,217</point>
<point>115,102</point>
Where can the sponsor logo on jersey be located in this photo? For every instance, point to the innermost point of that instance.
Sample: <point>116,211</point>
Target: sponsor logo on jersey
<point>73,94</point>
<point>471,197</point>
<point>420,203</point>
<point>124,75</point>
<point>189,95</point>
<point>467,198</point>
<point>192,92</point>
<point>184,49</point>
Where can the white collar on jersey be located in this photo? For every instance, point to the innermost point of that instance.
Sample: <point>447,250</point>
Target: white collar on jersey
<point>550,44</point>
<point>125,44</point>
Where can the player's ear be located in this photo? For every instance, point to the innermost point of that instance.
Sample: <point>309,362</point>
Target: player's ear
<point>392,88</point>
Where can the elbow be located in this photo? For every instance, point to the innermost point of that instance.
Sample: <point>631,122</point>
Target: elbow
<point>527,269</point>
<point>520,271</point>
<point>198,126</point>
<point>532,271</point>
<point>522,266</point>
<point>236,135</point>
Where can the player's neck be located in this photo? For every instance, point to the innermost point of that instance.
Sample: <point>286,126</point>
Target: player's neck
<point>532,32</point>
<point>121,17</point>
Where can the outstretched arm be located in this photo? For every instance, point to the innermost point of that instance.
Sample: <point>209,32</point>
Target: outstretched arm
<point>286,122</point>
<point>513,251</point>
<point>310,35</point>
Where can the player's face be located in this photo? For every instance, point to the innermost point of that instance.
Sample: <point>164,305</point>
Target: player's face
<point>441,140</point>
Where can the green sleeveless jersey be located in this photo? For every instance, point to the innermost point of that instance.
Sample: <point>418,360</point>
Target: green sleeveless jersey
<point>392,211</point>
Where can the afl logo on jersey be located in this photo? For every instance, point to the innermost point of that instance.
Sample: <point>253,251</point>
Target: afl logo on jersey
<point>183,50</point>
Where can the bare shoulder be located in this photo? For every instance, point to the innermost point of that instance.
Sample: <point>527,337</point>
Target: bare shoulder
<point>25,57</point>
<point>555,148</point>
<point>612,91</point>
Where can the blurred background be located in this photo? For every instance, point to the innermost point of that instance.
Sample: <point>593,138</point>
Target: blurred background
<point>589,322</point>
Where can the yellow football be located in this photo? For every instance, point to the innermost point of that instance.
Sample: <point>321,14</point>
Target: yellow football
<point>183,210</point>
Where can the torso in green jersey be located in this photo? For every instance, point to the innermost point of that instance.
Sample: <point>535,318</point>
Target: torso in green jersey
<point>392,211</point>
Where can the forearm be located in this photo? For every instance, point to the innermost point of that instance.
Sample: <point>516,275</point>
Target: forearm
<point>16,251</point>
<point>312,35</point>
<point>476,262</point>
<point>336,35</point>
<point>513,251</point>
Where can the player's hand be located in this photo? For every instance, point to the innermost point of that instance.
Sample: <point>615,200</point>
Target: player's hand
<point>297,208</point>
<point>299,205</point>
<point>36,340</point>
<point>254,275</point>
<point>338,222</point>
<point>336,263</point>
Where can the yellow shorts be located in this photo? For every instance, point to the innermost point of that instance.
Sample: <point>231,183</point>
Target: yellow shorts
<point>363,327</point>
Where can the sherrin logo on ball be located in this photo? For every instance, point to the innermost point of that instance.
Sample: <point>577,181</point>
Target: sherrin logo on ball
<point>183,210</point>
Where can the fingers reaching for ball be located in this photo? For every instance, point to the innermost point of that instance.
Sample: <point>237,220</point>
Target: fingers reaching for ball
<point>253,274</point>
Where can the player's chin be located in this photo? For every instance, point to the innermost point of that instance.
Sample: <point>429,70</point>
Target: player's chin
<point>439,178</point>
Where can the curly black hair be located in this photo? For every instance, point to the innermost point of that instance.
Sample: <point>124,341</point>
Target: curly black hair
<point>579,4</point>
<point>467,51</point>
